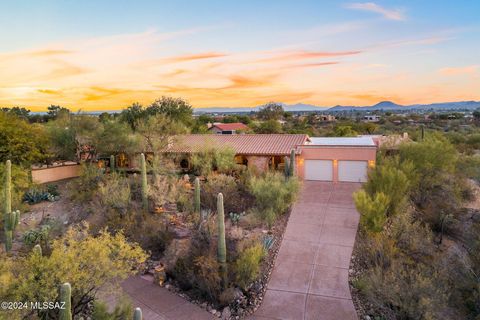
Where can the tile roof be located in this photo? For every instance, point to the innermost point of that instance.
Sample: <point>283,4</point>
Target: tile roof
<point>247,144</point>
<point>230,126</point>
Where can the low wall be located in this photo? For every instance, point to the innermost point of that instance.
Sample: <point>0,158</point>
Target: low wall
<point>52,174</point>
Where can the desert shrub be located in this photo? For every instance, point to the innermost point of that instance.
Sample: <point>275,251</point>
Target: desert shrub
<point>211,158</point>
<point>373,210</point>
<point>207,278</point>
<point>88,263</point>
<point>86,185</point>
<point>184,195</point>
<point>390,179</point>
<point>432,160</point>
<point>163,189</point>
<point>406,292</point>
<point>227,185</point>
<point>123,310</point>
<point>114,192</point>
<point>469,166</point>
<point>273,194</point>
<point>247,266</point>
<point>152,233</point>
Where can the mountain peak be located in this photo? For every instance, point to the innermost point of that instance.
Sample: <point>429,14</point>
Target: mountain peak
<point>386,104</point>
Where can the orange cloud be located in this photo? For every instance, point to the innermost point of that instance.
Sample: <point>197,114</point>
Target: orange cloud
<point>198,56</point>
<point>49,91</point>
<point>302,55</point>
<point>451,71</point>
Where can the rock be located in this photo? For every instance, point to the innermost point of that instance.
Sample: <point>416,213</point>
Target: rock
<point>367,318</point>
<point>226,313</point>
<point>213,311</point>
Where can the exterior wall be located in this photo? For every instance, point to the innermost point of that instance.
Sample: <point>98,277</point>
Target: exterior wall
<point>215,130</point>
<point>258,163</point>
<point>44,175</point>
<point>335,154</point>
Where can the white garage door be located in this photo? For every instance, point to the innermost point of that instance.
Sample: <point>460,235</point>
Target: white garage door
<point>319,170</point>
<point>352,171</point>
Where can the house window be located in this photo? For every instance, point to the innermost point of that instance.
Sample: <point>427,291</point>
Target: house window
<point>122,160</point>
<point>277,163</point>
<point>241,159</point>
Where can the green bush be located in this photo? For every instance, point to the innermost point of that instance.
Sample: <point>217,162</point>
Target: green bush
<point>86,185</point>
<point>390,179</point>
<point>247,266</point>
<point>114,192</point>
<point>207,277</point>
<point>373,210</point>
<point>123,310</point>
<point>211,158</point>
<point>273,194</point>
<point>228,186</point>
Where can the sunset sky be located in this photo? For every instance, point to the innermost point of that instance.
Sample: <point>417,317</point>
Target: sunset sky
<point>104,55</point>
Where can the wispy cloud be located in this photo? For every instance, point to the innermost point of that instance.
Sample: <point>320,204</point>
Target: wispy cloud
<point>195,56</point>
<point>451,71</point>
<point>390,14</point>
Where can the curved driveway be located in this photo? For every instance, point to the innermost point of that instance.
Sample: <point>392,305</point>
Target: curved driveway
<point>310,276</point>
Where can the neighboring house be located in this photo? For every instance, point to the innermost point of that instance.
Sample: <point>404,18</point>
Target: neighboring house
<point>227,128</point>
<point>371,118</point>
<point>389,142</point>
<point>326,118</point>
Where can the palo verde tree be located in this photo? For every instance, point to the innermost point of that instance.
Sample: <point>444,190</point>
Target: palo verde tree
<point>88,263</point>
<point>20,141</point>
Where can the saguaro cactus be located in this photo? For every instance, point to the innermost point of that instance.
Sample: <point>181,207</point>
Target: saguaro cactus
<point>66,298</point>
<point>222,249</point>
<point>11,218</point>
<point>197,196</point>
<point>293,163</point>
<point>143,168</point>
<point>112,163</point>
<point>287,167</point>
<point>137,315</point>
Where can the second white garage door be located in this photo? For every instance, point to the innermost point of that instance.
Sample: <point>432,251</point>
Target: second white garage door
<point>321,170</point>
<point>352,171</point>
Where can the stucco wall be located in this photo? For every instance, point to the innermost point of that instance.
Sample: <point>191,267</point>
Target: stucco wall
<point>258,163</point>
<point>335,153</point>
<point>53,174</point>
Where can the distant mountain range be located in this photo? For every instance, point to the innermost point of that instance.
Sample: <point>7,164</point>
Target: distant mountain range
<point>381,106</point>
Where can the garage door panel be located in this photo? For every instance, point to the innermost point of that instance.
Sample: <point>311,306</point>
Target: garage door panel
<point>320,170</point>
<point>352,171</point>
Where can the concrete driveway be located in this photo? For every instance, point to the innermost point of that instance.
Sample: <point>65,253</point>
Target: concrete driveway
<point>310,276</point>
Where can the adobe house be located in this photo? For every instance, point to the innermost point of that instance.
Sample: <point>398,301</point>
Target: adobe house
<point>227,128</point>
<point>258,151</point>
<point>323,159</point>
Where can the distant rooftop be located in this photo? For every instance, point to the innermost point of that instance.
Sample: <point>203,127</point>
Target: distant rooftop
<point>341,141</point>
<point>230,126</point>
